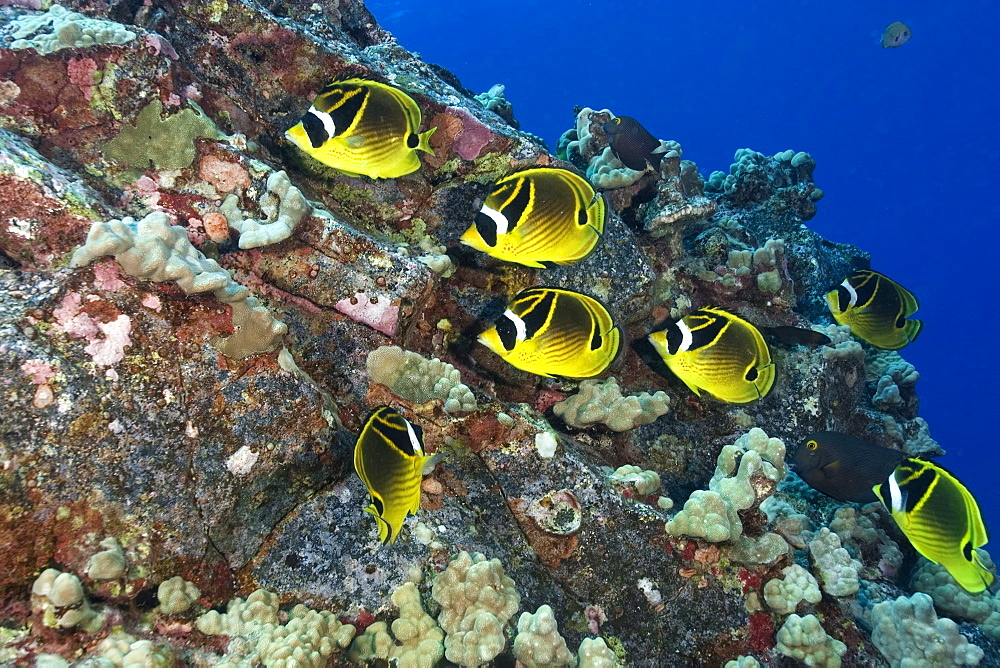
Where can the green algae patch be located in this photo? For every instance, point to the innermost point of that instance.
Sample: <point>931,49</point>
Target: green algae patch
<point>166,142</point>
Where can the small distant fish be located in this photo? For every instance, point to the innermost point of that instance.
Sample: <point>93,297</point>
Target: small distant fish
<point>632,144</point>
<point>896,35</point>
<point>940,518</point>
<point>539,217</point>
<point>843,467</point>
<point>718,352</point>
<point>363,127</point>
<point>556,333</point>
<point>876,309</point>
<point>797,336</point>
<point>389,458</point>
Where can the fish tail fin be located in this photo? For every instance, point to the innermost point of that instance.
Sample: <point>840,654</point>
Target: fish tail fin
<point>984,572</point>
<point>384,530</point>
<point>912,329</point>
<point>425,139</point>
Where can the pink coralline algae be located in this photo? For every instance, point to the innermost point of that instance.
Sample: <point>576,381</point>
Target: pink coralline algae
<point>107,277</point>
<point>111,349</point>
<point>106,340</point>
<point>81,73</point>
<point>152,301</point>
<point>379,314</point>
<point>225,176</point>
<point>473,136</point>
<point>40,371</point>
<point>70,320</point>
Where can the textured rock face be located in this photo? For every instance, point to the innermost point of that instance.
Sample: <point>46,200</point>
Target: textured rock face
<point>123,419</point>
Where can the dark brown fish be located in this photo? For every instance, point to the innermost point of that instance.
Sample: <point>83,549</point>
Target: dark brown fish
<point>632,144</point>
<point>896,35</point>
<point>797,336</point>
<point>844,467</point>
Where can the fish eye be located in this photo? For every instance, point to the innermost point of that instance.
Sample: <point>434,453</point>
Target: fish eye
<point>618,121</point>
<point>812,445</point>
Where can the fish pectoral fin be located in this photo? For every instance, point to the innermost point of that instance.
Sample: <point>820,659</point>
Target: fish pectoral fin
<point>429,462</point>
<point>355,141</point>
<point>425,138</point>
<point>832,469</point>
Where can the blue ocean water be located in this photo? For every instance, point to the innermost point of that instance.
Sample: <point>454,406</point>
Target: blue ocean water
<point>905,139</point>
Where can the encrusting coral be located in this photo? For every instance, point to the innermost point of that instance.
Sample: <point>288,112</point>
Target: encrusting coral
<point>783,595</point>
<point>59,28</point>
<point>746,473</point>
<point>838,572</point>
<point>415,378</point>
<point>60,600</point>
<point>153,249</point>
<point>477,599</point>
<point>538,643</point>
<point>308,639</point>
<point>950,597</point>
<point>803,638</point>
<point>282,203</point>
<point>909,633</point>
<point>602,402</point>
<point>166,142</point>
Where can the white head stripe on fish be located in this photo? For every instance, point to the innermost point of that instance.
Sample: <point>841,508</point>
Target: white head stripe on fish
<point>686,337</point>
<point>328,125</point>
<point>895,494</point>
<point>498,218</point>
<point>851,291</point>
<point>522,331</point>
<point>414,441</point>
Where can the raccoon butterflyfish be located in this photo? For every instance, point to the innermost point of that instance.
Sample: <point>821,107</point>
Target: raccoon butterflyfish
<point>555,332</point>
<point>632,144</point>
<point>539,217</point>
<point>844,467</point>
<point>876,309</point>
<point>896,34</point>
<point>718,352</point>
<point>940,518</point>
<point>363,127</point>
<point>389,458</point>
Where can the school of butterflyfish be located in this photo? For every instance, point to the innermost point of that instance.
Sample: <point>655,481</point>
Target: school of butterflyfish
<point>546,216</point>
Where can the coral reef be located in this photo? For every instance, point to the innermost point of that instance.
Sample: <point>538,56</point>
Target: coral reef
<point>166,451</point>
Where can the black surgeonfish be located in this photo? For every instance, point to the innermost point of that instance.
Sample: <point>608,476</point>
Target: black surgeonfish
<point>876,308</point>
<point>940,518</point>
<point>797,336</point>
<point>844,467</point>
<point>632,144</point>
